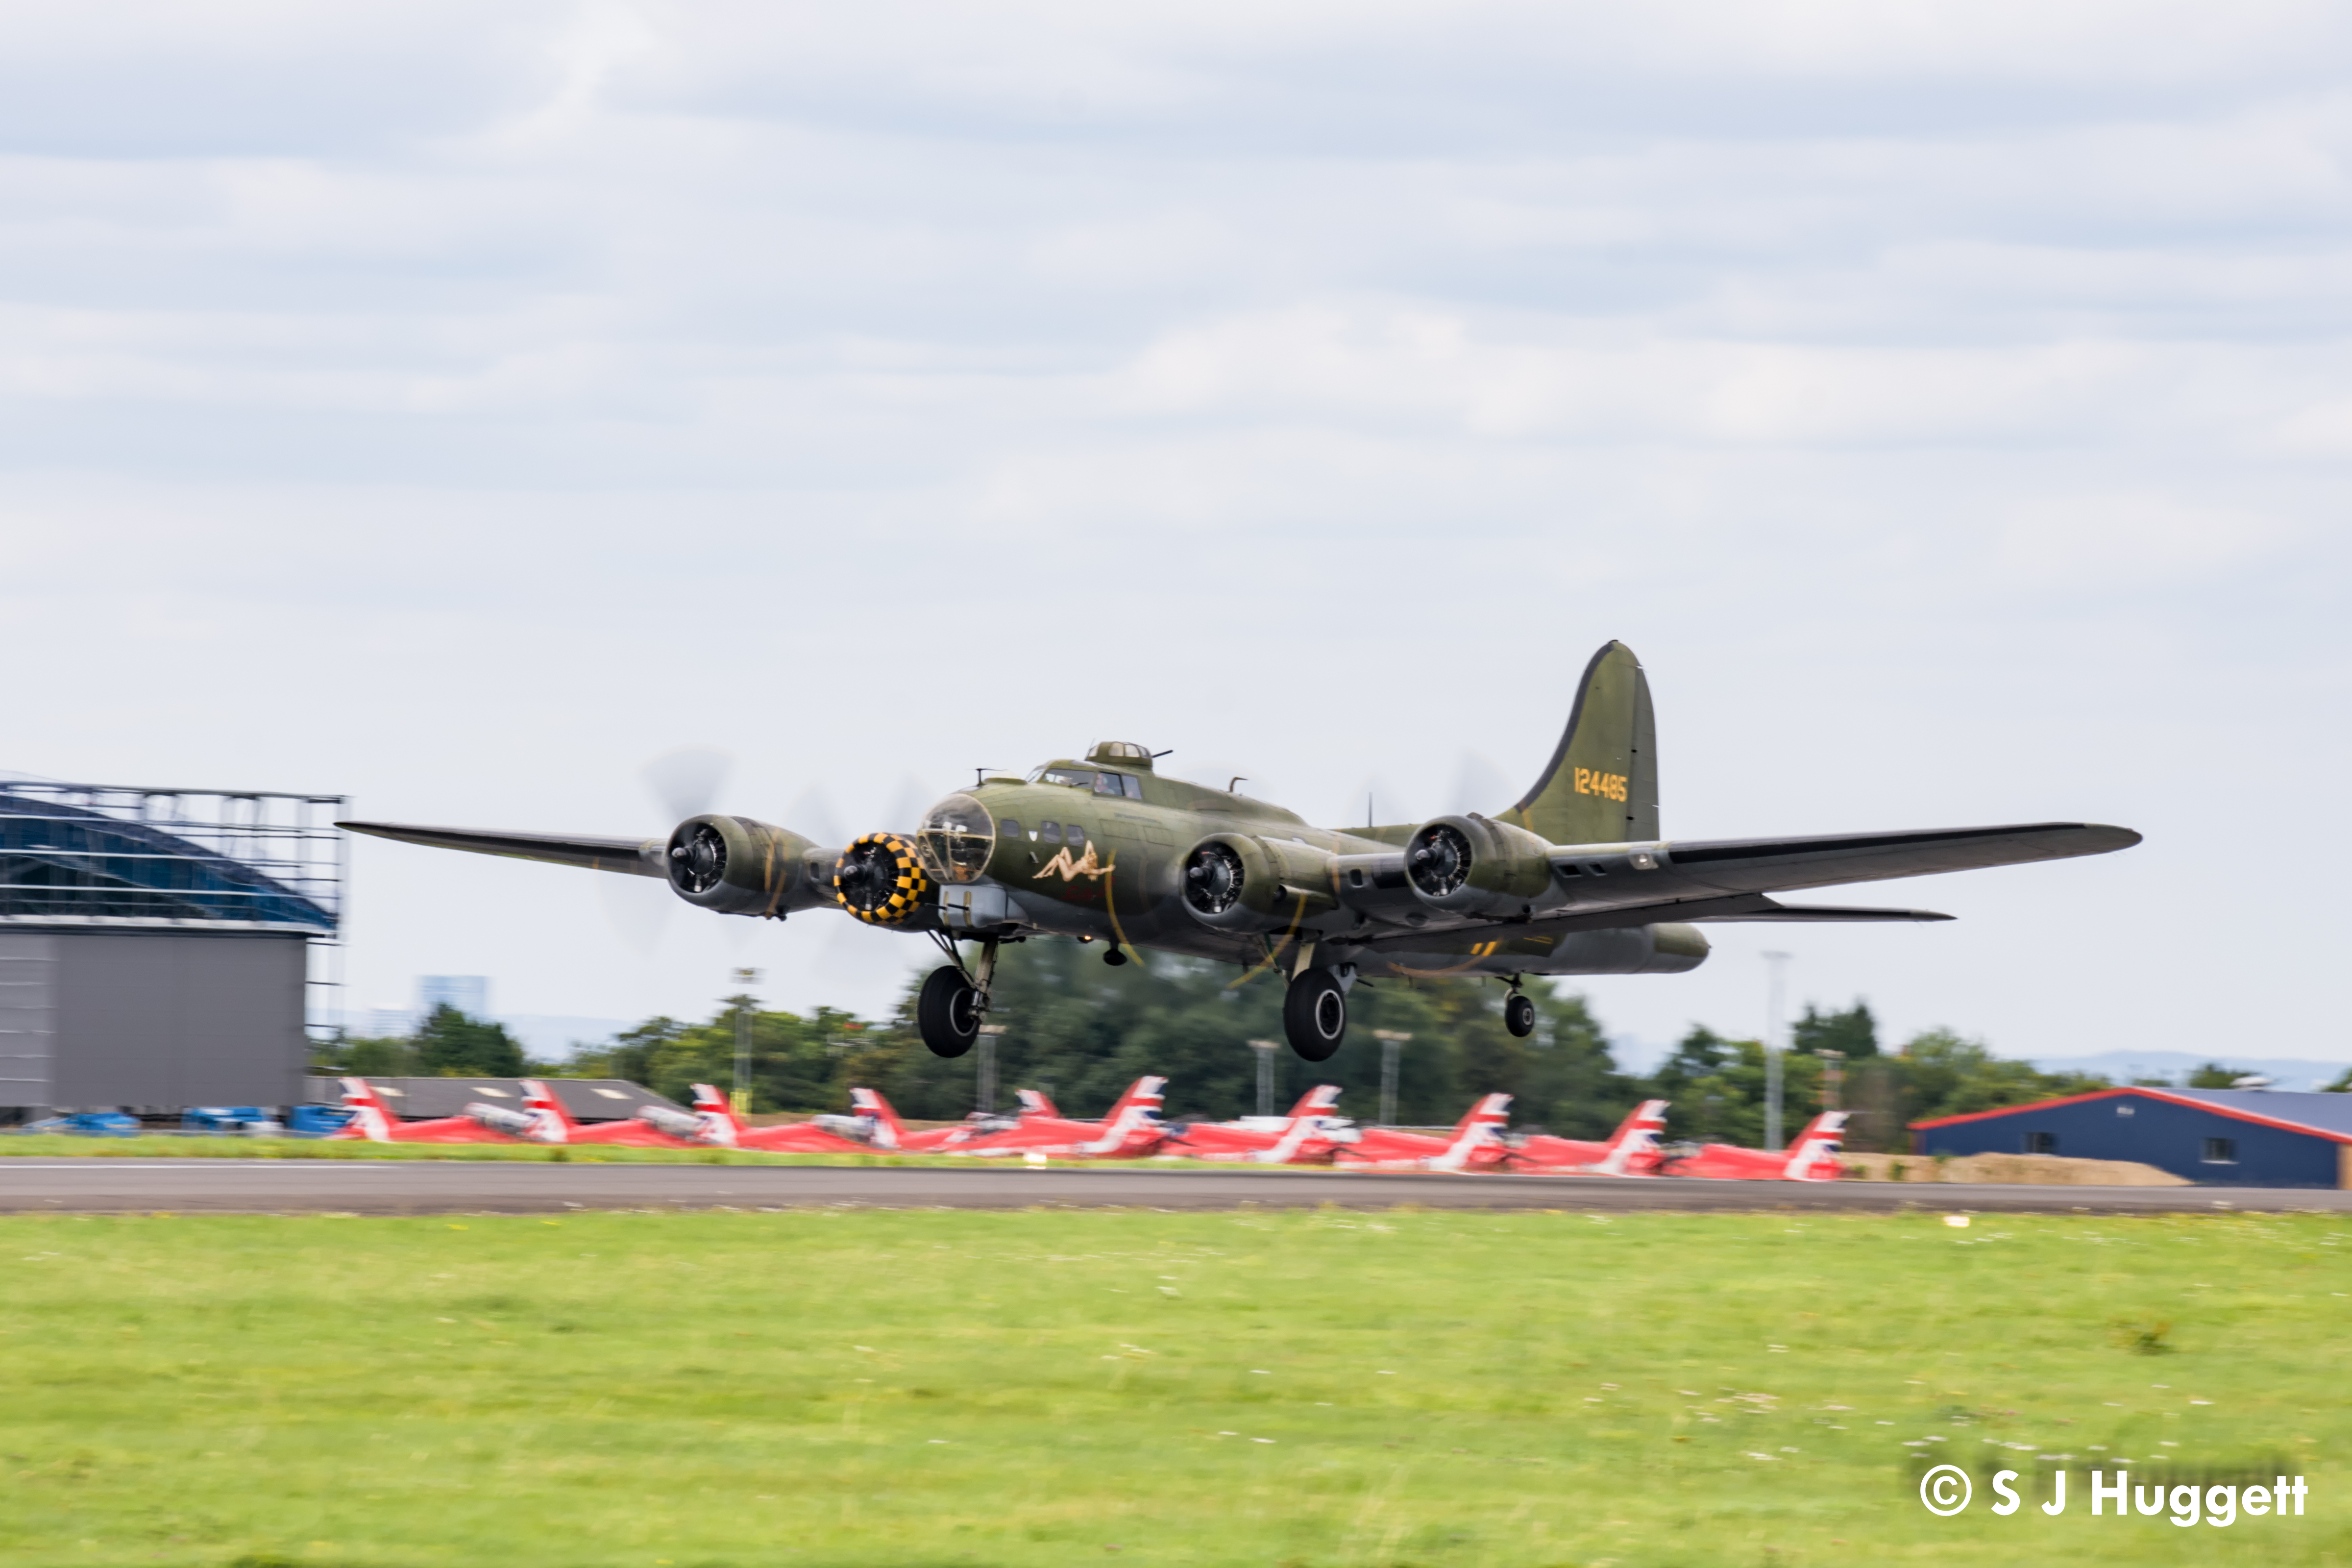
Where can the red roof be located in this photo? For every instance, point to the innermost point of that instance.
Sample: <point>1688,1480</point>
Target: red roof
<point>2196,1102</point>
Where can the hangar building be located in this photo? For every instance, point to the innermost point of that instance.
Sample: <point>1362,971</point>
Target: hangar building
<point>163,948</point>
<point>2227,1137</point>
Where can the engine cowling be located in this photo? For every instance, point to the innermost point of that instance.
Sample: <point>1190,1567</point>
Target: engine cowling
<point>1473,865</point>
<point>880,878</point>
<point>736,866</point>
<point>1232,881</point>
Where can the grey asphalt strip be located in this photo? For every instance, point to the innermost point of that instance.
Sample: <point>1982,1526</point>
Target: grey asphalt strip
<point>416,1186</point>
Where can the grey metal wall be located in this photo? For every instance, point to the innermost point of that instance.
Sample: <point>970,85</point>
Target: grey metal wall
<point>166,1018</point>
<point>27,1015</point>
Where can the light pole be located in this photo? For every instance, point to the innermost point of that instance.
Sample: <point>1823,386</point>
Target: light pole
<point>1833,1077</point>
<point>984,1093</point>
<point>1266,1049</point>
<point>1779,996</point>
<point>742,1095</point>
<point>1392,1044</point>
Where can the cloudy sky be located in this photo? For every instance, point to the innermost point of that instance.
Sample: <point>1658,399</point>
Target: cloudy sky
<point>458,406</point>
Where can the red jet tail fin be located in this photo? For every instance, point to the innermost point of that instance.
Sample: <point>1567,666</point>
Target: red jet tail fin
<point>371,1117</point>
<point>1317,1101</point>
<point>888,1133</point>
<point>1633,1147</point>
<point>1813,1157</point>
<point>1141,1102</point>
<point>551,1121</point>
<point>716,1114</point>
<point>1035,1102</point>
<point>1307,1120</point>
<point>1482,1123</point>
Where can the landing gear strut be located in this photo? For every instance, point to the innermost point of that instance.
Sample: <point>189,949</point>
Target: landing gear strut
<point>1315,1014</point>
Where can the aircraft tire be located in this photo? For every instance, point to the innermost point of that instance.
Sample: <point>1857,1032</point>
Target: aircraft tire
<point>1520,1014</point>
<point>1315,1014</point>
<point>948,1013</point>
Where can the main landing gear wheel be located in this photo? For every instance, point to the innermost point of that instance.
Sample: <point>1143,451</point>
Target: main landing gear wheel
<point>948,1011</point>
<point>1520,1014</point>
<point>1315,1014</point>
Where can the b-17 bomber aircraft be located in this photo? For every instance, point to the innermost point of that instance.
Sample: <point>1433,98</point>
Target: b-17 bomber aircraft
<point>1574,879</point>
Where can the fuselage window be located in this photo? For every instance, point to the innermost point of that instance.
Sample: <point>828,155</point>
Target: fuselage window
<point>1074,777</point>
<point>1075,834</point>
<point>1009,828</point>
<point>1051,832</point>
<point>1108,783</point>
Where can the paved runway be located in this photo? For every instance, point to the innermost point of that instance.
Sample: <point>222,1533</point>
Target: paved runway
<point>416,1186</point>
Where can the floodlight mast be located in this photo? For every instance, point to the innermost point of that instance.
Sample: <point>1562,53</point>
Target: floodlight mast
<point>984,1085</point>
<point>1775,1007</point>
<point>741,1098</point>
<point>1393,1043</point>
<point>1266,1049</point>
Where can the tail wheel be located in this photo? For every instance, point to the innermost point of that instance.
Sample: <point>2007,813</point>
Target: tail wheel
<point>948,1011</point>
<point>1315,1014</point>
<point>1520,1014</point>
<point>879,878</point>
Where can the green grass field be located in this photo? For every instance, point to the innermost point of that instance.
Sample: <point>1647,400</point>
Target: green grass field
<point>683,1391</point>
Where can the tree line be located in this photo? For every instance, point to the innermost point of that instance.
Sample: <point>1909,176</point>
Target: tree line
<point>1082,1031</point>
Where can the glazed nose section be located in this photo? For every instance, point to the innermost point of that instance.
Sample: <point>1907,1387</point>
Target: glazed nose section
<point>956,840</point>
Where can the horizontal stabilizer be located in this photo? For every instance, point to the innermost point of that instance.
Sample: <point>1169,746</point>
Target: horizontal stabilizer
<point>1769,864</point>
<point>637,857</point>
<point>1824,912</point>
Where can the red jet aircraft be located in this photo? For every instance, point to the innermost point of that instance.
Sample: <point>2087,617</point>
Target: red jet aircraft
<point>884,1130</point>
<point>1813,1158</point>
<point>1474,1144</point>
<point>1306,1136</point>
<point>1129,1131</point>
<point>715,1122</point>
<point>1631,1151</point>
<point>551,1122</point>
<point>373,1121</point>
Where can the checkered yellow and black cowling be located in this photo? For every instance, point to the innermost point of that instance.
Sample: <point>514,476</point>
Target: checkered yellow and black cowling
<point>909,883</point>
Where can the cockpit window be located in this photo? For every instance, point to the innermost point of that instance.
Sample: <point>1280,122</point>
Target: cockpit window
<point>1109,784</point>
<point>1078,778</point>
<point>955,839</point>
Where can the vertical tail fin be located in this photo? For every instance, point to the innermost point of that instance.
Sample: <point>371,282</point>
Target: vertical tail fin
<point>1482,1123</point>
<point>1814,1155</point>
<point>1306,1121</point>
<point>551,1122</point>
<point>888,1133</point>
<point>371,1117</point>
<point>1634,1145</point>
<point>1315,1102</point>
<point>1601,785</point>
<point>716,1112</point>
<point>1140,1103</point>
<point>1035,1102</point>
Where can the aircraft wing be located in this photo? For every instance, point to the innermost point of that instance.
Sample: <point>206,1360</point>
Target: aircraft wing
<point>637,857</point>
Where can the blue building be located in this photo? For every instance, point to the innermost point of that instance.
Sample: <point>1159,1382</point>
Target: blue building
<point>2227,1137</point>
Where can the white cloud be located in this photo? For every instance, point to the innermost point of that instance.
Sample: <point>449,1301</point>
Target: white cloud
<point>462,408</point>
